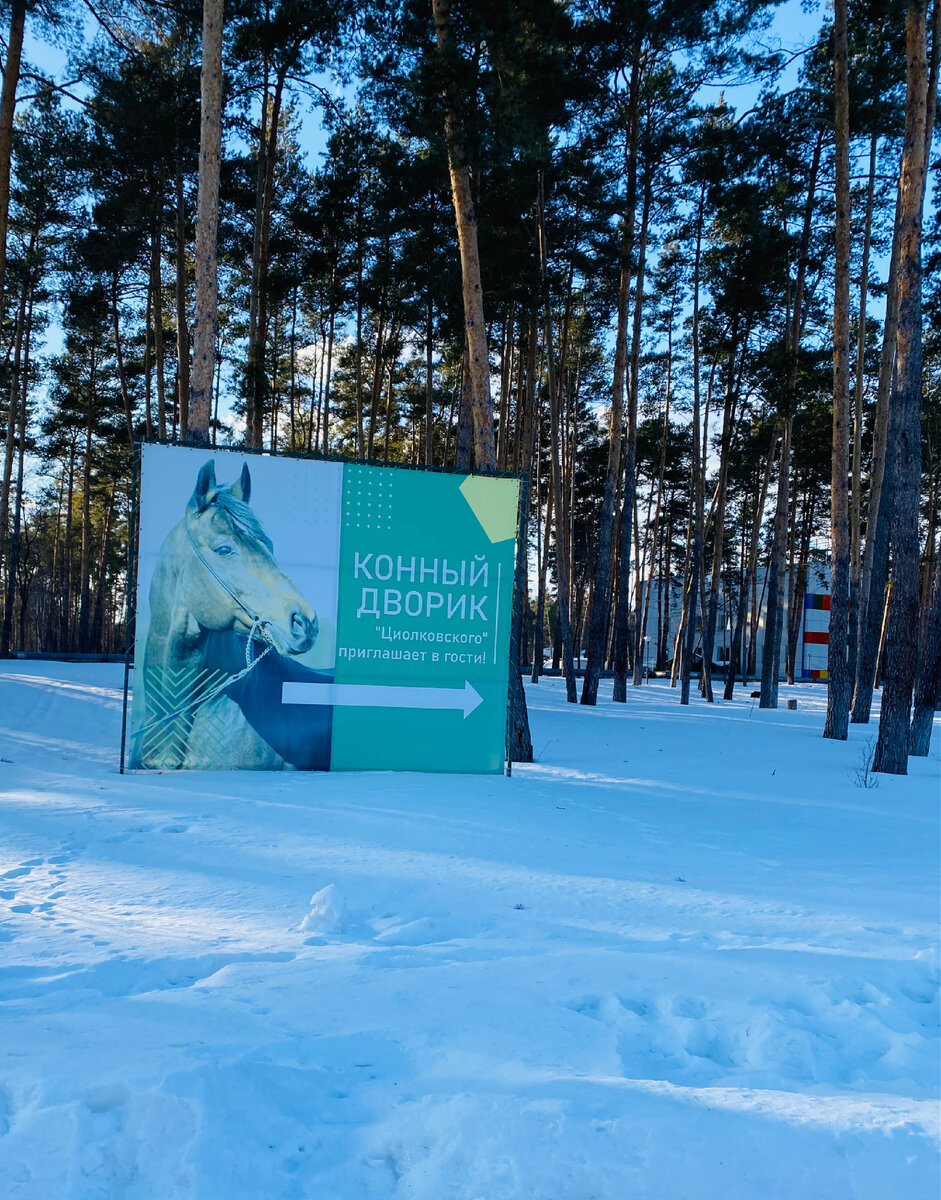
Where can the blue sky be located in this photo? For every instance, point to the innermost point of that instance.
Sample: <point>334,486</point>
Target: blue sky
<point>794,26</point>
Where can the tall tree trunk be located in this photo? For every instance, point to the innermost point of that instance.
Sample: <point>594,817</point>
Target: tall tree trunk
<point>686,633</point>
<point>360,270</point>
<point>524,449</point>
<point>542,547</point>
<point>292,371</point>
<point>11,77</point>
<point>528,388</point>
<point>774,616</point>
<point>378,371</point>
<point>929,670</point>
<point>873,585</point>
<point>838,681</point>
<point>689,625</point>
<point>792,583</point>
<point>96,634</point>
<point>882,632</point>
<point>314,423</point>
<point>601,599</point>
<point>182,325</point>
<point>207,223</point>
<point>774,611</point>
<point>757,604</point>
<point>20,389</point>
<point>506,378</point>
<point>711,611</point>
<point>84,570</point>
<point>735,650</point>
<point>623,606</point>
<point>156,284</point>
<point>478,359</point>
<point>875,559</point>
<point>568,442</point>
<point>465,419</point>
<point>257,375</point>
<point>65,625</point>
<point>891,755</point>
<point>119,355</point>
<point>651,563</point>
<point>520,740</point>
<point>429,383</point>
<point>148,365</point>
<point>856,487</point>
<point>930,555</point>
<point>220,358</point>
<point>799,586</point>
<point>563,558</point>
<point>328,373</point>
<point>255,378</point>
<point>521,743</point>
<point>10,440</point>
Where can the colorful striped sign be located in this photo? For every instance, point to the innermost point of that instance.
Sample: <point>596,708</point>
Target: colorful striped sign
<point>816,635</point>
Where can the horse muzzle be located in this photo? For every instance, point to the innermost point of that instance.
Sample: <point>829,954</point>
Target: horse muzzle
<point>304,631</point>
<point>297,635</point>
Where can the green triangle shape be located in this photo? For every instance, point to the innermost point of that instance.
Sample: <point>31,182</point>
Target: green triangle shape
<point>495,504</point>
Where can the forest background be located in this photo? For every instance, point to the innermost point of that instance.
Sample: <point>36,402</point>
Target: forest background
<point>684,293</point>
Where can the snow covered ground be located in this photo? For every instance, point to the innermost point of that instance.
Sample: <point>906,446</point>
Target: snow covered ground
<point>683,955</point>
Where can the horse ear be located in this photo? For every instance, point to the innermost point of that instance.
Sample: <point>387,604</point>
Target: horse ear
<point>242,490</point>
<point>205,482</point>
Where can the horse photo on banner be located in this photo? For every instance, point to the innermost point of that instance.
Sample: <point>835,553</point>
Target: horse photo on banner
<point>237,592</point>
<point>304,614</point>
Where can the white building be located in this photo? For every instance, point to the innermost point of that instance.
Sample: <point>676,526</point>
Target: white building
<point>663,618</point>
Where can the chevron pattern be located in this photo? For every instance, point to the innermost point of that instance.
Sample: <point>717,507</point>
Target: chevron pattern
<point>175,741</point>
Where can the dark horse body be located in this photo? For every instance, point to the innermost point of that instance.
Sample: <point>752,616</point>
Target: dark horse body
<point>226,624</point>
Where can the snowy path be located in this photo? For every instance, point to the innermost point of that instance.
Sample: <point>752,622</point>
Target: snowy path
<point>680,956</point>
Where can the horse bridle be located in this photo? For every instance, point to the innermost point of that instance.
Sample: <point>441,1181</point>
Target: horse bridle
<point>256,618</point>
<point>258,627</point>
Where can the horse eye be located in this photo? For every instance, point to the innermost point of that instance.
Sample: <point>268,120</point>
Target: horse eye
<point>223,549</point>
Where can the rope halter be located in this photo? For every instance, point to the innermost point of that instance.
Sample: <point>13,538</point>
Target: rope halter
<point>258,629</point>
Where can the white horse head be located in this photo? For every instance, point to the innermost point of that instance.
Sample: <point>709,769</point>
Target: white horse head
<point>227,577</point>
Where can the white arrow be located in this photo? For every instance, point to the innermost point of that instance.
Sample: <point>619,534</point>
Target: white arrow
<point>374,695</point>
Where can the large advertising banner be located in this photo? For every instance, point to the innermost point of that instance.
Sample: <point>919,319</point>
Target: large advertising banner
<point>310,615</point>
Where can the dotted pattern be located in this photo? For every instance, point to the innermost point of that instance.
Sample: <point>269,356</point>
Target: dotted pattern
<point>367,498</point>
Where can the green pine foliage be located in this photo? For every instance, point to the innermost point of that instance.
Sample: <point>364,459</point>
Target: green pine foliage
<point>341,326</point>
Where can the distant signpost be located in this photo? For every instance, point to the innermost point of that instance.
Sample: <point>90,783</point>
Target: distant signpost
<point>816,635</point>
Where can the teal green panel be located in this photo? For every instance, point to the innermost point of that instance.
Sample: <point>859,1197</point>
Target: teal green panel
<point>425,601</point>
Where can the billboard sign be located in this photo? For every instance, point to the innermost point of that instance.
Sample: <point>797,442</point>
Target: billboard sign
<point>314,615</point>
